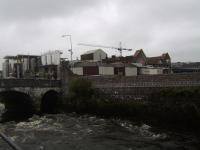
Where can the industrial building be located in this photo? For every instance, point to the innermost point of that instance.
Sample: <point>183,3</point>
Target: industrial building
<point>95,55</point>
<point>21,66</point>
<point>97,68</point>
<point>139,57</point>
<point>50,64</point>
<point>149,70</point>
<point>51,58</point>
<point>96,62</point>
<point>32,66</point>
<point>146,65</point>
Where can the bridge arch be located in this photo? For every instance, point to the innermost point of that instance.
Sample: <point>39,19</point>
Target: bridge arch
<point>50,102</point>
<point>18,105</point>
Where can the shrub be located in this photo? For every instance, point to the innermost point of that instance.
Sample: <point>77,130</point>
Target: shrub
<point>81,94</point>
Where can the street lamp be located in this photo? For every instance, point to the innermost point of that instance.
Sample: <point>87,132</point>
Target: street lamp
<point>70,38</point>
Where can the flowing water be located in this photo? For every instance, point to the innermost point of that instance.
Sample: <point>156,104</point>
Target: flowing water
<point>84,132</point>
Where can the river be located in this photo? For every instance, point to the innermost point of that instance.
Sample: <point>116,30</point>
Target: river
<point>85,132</point>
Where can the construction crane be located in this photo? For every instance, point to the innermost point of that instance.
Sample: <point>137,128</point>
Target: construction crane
<point>120,48</point>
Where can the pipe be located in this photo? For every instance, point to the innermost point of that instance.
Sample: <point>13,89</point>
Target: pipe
<point>9,141</point>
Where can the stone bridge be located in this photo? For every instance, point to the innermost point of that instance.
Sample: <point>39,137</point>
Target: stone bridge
<point>41,94</point>
<point>36,87</point>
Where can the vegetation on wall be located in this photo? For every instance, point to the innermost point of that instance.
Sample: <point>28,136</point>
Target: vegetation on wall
<point>177,107</point>
<point>174,108</point>
<point>81,95</point>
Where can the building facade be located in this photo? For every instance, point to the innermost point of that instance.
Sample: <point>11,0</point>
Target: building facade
<point>32,66</point>
<point>97,68</point>
<point>157,63</point>
<point>150,71</point>
<point>51,58</point>
<point>21,66</point>
<point>51,64</point>
<point>94,55</point>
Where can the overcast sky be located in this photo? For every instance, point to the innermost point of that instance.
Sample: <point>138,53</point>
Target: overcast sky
<point>157,26</point>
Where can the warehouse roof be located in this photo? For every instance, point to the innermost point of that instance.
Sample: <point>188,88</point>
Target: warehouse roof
<point>92,51</point>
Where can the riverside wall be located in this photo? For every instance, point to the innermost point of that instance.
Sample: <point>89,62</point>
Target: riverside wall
<point>140,87</point>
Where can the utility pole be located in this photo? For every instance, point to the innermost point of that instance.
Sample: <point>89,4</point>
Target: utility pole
<point>70,39</point>
<point>120,48</point>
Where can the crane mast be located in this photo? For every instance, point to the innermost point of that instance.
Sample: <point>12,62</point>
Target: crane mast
<point>120,48</point>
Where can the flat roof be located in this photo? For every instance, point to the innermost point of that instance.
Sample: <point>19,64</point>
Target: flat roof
<point>10,57</point>
<point>21,56</point>
<point>92,51</point>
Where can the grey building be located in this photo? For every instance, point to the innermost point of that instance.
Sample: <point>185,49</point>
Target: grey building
<point>95,55</point>
<point>51,64</point>
<point>98,68</point>
<point>21,66</point>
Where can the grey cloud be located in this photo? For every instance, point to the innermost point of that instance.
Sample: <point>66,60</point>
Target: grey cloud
<point>14,10</point>
<point>155,25</point>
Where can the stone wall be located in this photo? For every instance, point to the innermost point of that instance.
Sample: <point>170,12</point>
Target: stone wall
<point>6,83</point>
<point>140,87</point>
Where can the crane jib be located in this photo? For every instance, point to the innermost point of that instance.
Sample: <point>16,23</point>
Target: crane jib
<point>118,48</point>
